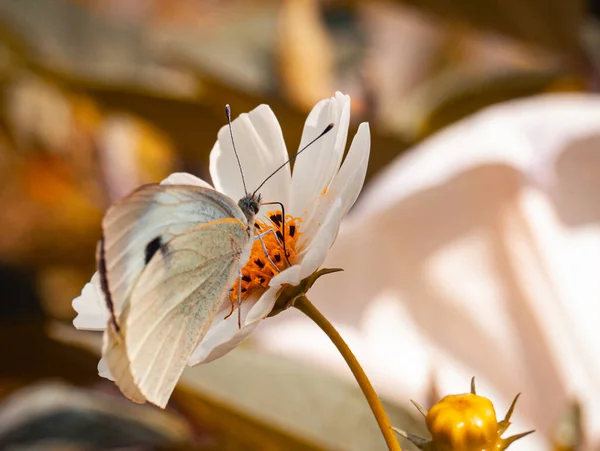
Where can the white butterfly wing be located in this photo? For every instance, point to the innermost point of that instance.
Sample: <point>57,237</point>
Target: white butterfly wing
<point>135,230</point>
<point>172,307</point>
<point>118,364</point>
<point>149,213</point>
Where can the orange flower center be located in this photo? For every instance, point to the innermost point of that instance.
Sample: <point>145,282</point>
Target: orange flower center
<point>263,266</point>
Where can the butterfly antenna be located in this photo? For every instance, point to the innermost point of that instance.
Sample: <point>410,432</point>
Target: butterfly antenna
<point>323,133</point>
<point>228,113</point>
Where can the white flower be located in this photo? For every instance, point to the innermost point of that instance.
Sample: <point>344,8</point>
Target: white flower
<point>317,195</point>
<point>476,254</point>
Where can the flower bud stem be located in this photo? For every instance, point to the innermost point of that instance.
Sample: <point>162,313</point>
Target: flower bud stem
<point>305,306</point>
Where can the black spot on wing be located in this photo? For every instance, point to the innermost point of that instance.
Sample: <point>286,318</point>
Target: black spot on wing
<point>152,248</point>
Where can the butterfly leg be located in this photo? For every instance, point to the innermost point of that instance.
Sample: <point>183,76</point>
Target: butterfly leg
<point>230,311</point>
<point>282,241</point>
<point>239,301</point>
<point>259,238</point>
<point>271,231</point>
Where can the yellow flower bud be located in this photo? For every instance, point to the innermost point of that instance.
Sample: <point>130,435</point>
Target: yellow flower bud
<point>464,422</point>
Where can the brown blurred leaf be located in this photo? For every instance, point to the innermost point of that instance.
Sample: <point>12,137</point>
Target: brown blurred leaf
<point>555,24</point>
<point>205,409</point>
<point>45,218</point>
<point>294,397</point>
<point>304,53</point>
<point>458,101</point>
<point>568,433</point>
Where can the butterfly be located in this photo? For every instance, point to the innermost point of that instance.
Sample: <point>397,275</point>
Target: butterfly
<point>167,258</point>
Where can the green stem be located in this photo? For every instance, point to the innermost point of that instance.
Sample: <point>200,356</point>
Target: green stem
<point>305,306</point>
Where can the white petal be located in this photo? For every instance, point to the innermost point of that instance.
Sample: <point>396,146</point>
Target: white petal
<point>314,255</point>
<point>264,305</point>
<point>346,185</point>
<point>183,178</point>
<point>103,370</point>
<point>350,179</point>
<point>315,168</point>
<point>90,306</point>
<point>261,149</point>
<point>224,334</point>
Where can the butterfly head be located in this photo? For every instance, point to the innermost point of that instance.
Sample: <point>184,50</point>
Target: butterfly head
<point>250,204</point>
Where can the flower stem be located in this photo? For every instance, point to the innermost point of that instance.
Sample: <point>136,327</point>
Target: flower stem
<point>305,306</point>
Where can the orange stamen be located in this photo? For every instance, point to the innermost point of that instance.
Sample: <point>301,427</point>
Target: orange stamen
<point>260,269</point>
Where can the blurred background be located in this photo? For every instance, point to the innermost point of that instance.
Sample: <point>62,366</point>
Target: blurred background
<point>97,97</point>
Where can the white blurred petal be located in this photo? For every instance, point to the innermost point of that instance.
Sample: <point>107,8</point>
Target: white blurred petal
<point>118,138</point>
<point>525,134</point>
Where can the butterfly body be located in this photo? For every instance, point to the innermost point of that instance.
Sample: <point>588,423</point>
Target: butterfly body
<point>167,259</point>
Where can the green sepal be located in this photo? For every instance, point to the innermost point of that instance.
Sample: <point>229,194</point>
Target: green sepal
<point>290,293</point>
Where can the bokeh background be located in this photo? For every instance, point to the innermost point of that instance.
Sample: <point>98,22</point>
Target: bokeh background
<point>97,97</point>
